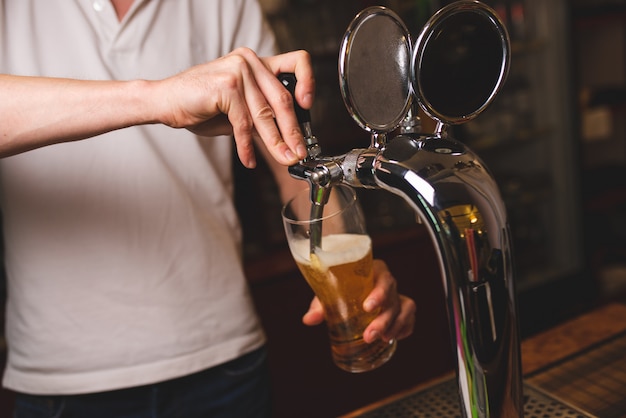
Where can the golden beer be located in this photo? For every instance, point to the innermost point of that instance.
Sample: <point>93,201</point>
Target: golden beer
<point>340,274</point>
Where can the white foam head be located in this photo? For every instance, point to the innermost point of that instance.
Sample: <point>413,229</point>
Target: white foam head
<point>336,249</point>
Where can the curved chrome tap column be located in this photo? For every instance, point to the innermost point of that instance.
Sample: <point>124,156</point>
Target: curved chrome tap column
<point>459,202</point>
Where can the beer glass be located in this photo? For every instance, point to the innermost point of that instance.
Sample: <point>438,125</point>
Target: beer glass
<point>334,254</point>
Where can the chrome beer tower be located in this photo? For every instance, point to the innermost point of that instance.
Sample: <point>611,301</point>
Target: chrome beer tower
<point>453,71</point>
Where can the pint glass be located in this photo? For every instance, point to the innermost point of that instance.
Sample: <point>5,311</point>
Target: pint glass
<point>338,268</point>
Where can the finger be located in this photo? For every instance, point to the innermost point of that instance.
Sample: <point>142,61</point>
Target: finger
<point>381,326</point>
<point>299,63</point>
<point>384,296</point>
<point>243,126</point>
<point>290,139</point>
<point>384,287</point>
<point>262,114</point>
<point>280,102</point>
<point>315,314</point>
<point>392,325</point>
<point>404,323</point>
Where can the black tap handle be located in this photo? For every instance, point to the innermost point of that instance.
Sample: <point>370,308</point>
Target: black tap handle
<point>289,81</point>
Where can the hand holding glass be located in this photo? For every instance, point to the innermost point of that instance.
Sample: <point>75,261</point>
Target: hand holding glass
<point>339,270</point>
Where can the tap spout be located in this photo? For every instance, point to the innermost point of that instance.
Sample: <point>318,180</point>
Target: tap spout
<point>458,200</point>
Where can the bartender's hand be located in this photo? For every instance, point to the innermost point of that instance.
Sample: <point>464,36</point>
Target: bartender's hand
<point>240,94</point>
<point>236,94</point>
<point>397,315</point>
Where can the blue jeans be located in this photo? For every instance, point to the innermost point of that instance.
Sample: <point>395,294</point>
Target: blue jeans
<point>239,388</point>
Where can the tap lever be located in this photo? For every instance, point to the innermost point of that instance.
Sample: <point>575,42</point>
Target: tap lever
<point>321,172</point>
<point>304,116</point>
<point>319,198</point>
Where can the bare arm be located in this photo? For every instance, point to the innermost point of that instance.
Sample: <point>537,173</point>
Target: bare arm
<point>37,111</point>
<point>236,94</point>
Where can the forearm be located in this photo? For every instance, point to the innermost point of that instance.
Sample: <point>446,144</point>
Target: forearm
<point>37,111</point>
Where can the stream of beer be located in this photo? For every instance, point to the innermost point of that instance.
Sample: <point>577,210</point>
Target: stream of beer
<point>319,198</point>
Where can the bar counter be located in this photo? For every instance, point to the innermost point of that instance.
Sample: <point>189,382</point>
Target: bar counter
<point>581,362</point>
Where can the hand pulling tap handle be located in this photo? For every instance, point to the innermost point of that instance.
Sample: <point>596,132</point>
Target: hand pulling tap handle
<point>317,172</point>
<point>303,115</point>
<point>319,194</point>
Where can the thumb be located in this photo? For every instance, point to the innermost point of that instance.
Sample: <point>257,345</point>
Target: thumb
<point>315,314</point>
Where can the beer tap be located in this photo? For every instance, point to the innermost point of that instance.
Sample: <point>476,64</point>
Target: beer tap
<point>320,174</point>
<point>318,171</point>
<point>454,70</point>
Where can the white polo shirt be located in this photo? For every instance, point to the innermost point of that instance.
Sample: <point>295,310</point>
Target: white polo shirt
<point>123,251</point>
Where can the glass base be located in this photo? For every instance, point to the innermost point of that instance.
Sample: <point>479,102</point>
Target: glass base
<point>358,356</point>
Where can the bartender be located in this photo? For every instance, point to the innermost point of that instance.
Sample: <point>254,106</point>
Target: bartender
<point>126,293</point>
